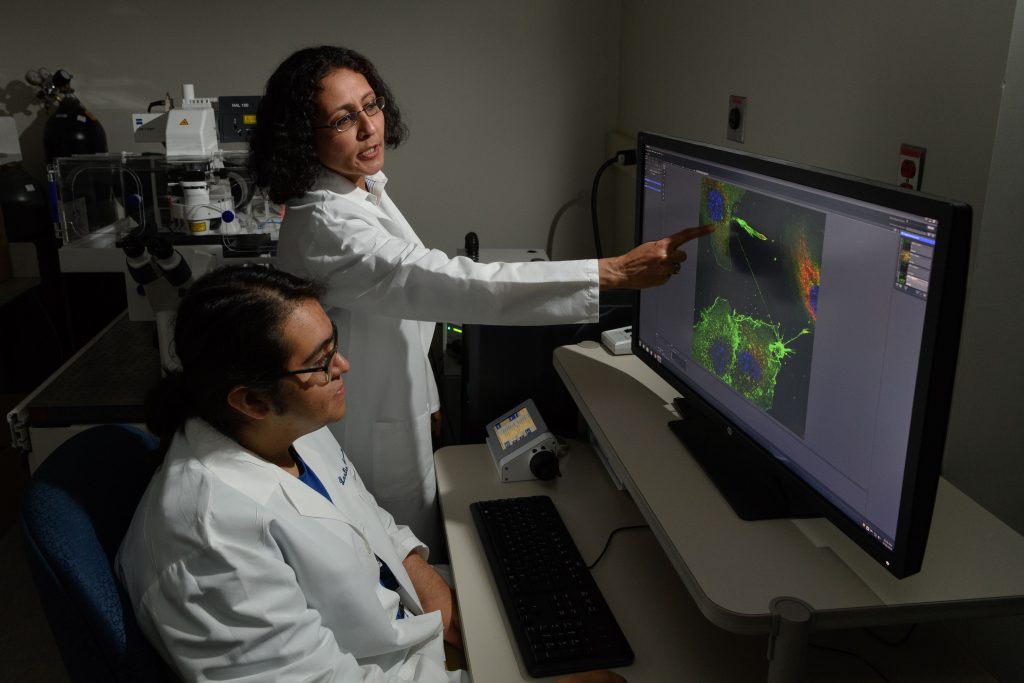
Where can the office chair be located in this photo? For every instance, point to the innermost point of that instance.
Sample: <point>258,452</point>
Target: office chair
<point>76,511</point>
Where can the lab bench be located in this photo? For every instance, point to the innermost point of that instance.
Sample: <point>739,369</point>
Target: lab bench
<point>104,382</point>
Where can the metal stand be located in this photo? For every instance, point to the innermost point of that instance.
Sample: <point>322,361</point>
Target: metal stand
<point>791,628</point>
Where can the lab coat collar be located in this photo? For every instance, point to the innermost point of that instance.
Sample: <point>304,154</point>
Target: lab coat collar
<point>339,184</point>
<point>252,475</point>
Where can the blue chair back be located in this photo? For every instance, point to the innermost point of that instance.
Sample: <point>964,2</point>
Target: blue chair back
<point>76,512</point>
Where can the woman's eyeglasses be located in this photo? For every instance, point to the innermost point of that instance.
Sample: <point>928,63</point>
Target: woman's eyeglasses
<point>325,368</point>
<point>343,123</point>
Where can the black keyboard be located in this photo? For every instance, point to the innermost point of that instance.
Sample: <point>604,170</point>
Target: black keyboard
<point>559,617</point>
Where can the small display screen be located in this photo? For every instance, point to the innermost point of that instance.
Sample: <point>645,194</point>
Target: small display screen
<point>515,428</point>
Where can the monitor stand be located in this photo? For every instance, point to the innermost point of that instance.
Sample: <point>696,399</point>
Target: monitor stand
<point>745,474</point>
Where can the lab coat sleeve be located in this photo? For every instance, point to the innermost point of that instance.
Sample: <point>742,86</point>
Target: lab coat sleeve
<point>367,268</point>
<point>402,538</point>
<point>234,613</point>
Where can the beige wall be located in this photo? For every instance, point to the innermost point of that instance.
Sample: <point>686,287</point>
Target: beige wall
<point>985,453</point>
<point>838,85</point>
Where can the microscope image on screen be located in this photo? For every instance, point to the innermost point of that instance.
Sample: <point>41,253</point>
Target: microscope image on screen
<point>758,284</point>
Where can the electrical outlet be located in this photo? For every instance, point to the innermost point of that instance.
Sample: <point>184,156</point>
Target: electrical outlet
<point>911,167</point>
<point>737,119</point>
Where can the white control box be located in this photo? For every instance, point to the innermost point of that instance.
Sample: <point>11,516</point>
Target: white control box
<point>618,341</point>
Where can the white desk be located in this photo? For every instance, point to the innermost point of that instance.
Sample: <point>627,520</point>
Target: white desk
<point>672,640</point>
<point>736,571</point>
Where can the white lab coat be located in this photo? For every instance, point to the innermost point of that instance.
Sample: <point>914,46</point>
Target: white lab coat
<point>239,571</point>
<point>381,280</point>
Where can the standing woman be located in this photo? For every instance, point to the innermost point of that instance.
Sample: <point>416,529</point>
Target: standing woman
<point>318,147</point>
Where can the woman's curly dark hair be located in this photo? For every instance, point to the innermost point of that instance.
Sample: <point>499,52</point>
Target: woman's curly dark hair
<point>281,153</point>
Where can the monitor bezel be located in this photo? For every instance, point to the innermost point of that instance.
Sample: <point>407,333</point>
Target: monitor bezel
<point>940,339</point>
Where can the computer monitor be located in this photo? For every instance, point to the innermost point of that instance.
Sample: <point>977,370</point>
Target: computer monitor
<point>812,337</point>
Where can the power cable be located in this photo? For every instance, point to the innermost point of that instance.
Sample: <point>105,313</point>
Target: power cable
<point>625,157</point>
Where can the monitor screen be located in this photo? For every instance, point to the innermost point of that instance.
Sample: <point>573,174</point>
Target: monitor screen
<point>812,336</point>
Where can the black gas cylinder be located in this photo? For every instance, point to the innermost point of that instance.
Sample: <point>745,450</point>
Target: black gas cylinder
<point>73,129</point>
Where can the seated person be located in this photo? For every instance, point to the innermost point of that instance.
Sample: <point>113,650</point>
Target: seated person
<point>256,553</point>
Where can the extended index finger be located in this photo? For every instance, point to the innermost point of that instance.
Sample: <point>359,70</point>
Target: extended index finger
<point>689,234</point>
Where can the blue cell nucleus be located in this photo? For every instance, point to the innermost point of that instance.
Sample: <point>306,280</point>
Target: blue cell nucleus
<point>716,205</point>
<point>749,365</point>
<point>719,353</point>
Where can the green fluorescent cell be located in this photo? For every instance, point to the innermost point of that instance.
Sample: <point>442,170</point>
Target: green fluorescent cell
<point>717,202</point>
<point>750,231</point>
<point>742,351</point>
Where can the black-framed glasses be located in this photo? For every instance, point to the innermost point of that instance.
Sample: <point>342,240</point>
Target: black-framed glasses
<point>326,367</point>
<point>343,123</point>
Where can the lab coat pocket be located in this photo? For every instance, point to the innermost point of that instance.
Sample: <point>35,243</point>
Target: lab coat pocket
<point>402,458</point>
